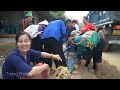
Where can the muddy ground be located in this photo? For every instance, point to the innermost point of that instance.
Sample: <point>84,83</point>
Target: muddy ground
<point>109,71</point>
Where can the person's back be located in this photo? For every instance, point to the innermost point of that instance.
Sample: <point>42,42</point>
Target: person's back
<point>37,43</point>
<point>54,29</point>
<point>23,24</point>
<point>52,39</point>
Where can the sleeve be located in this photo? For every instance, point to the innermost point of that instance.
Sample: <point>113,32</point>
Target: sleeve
<point>35,55</point>
<point>84,29</point>
<point>20,66</point>
<point>91,26</point>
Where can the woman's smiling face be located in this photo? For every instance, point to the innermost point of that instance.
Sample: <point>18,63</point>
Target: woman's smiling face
<point>23,43</point>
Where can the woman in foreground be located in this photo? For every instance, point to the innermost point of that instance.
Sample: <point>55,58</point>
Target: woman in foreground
<point>17,63</point>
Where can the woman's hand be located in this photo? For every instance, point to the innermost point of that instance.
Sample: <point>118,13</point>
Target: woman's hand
<point>56,57</point>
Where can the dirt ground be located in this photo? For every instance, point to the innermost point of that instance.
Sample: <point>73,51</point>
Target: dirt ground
<point>109,71</point>
<point>113,56</point>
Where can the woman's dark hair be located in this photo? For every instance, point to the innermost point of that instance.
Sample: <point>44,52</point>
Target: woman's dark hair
<point>21,33</point>
<point>68,20</point>
<point>86,17</point>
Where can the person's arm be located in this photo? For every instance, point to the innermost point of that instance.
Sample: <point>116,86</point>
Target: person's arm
<point>36,70</point>
<point>52,56</point>
<point>22,68</point>
<point>92,27</point>
<point>101,34</point>
<point>84,29</point>
<point>37,54</point>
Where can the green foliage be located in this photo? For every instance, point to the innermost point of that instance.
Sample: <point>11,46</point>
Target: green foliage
<point>51,15</point>
<point>57,15</point>
<point>43,15</point>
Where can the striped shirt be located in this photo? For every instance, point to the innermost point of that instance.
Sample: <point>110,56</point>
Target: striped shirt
<point>23,24</point>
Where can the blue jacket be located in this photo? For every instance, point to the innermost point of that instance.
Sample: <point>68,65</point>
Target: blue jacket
<point>16,66</point>
<point>55,29</point>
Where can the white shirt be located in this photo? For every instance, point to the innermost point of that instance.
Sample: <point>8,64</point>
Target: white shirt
<point>77,27</point>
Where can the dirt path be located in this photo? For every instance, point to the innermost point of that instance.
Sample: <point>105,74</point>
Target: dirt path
<point>6,40</point>
<point>6,45</point>
<point>113,57</point>
<point>111,61</point>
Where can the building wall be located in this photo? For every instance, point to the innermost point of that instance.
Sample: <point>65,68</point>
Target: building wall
<point>13,17</point>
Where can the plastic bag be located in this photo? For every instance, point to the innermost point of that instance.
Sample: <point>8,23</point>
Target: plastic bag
<point>70,63</point>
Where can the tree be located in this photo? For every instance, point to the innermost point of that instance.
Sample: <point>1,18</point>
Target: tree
<point>51,15</point>
<point>57,15</point>
<point>43,15</point>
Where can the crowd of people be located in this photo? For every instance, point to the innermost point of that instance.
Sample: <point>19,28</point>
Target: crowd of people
<point>32,57</point>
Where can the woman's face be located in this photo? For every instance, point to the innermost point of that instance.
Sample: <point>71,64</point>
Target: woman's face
<point>30,19</point>
<point>84,21</point>
<point>23,43</point>
<point>69,24</point>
